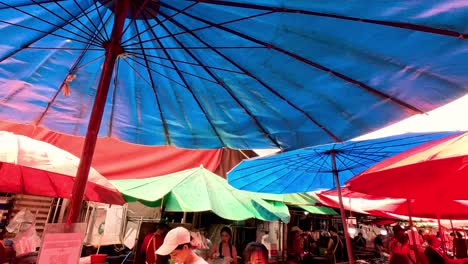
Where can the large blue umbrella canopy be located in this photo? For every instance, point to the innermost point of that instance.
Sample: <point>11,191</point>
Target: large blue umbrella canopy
<point>239,74</point>
<point>311,169</point>
<point>320,167</point>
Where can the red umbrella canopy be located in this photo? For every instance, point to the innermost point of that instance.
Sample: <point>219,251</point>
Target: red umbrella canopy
<point>436,170</point>
<point>359,204</point>
<point>422,208</point>
<point>34,167</point>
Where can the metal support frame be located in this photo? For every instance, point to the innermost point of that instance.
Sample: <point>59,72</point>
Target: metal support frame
<point>342,211</point>
<point>113,50</point>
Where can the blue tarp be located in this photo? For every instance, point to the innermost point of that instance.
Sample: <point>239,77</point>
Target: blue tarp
<point>239,74</point>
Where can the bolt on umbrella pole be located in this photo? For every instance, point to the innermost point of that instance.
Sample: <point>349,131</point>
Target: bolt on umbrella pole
<point>342,211</point>
<point>113,49</point>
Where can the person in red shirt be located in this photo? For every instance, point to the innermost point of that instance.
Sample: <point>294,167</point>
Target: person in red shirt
<point>296,245</point>
<point>152,242</point>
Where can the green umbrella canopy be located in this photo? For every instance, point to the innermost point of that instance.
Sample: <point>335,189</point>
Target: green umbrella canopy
<point>301,200</point>
<point>318,209</point>
<point>198,190</point>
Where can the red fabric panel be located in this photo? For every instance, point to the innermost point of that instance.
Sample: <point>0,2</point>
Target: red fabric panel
<point>331,200</point>
<point>424,208</point>
<point>115,159</point>
<point>19,179</point>
<point>345,192</point>
<point>437,169</point>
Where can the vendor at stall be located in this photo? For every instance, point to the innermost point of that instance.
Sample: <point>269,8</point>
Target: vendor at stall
<point>152,242</point>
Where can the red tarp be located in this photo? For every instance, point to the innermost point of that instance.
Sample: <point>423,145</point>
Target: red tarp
<point>120,160</point>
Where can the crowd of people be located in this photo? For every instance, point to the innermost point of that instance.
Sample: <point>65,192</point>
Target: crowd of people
<point>313,246</point>
<point>174,246</point>
<point>167,245</point>
<point>426,249</point>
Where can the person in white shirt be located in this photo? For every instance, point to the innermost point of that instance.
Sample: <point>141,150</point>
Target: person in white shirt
<point>177,245</point>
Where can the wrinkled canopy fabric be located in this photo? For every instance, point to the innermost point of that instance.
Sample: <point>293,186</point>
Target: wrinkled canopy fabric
<point>437,169</point>
<point>197,190</point>
<point>355,204</point>
<point>301,200</point>
<point>239,74</point>
<point>30,166</point>
<point>430,207</point>
<point>311,169</point>
<point>116,159</point>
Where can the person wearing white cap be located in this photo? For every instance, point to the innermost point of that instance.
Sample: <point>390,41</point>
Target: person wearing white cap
<point>177,245</point>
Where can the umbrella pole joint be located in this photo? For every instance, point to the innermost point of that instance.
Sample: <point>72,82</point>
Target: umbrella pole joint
<point>113,50</point>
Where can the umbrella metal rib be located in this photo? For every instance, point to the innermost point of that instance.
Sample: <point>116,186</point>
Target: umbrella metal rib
<point>91,21</point>
<point>54,97</point>
<point>45,33</point>
<point>145,58</point>
<point>410,26</point>
<point>224,86</point>
<point>168,56</point>
<point>47,22</point>
<point>153,86</point>
<point>150,69</point>
<point>188,31</point>
<point>335,138</point>
<point>307,61</point>
<point>134,54</point>
<point>83,28</point>
<point>101,18</point>
<point>152,27</point>
<point>181,76</point>
<point>28,3</point>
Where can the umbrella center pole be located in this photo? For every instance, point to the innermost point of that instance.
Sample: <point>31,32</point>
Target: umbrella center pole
<point>413,235</point>
<point>113,49</point>
<point>342,211</point>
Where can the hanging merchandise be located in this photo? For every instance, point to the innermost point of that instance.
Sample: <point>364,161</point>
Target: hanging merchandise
<point>26,239</point>
<point>105,225</point>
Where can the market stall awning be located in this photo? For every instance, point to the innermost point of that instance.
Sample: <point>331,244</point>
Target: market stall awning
<point>301,200</point>
<point>197,190</point>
